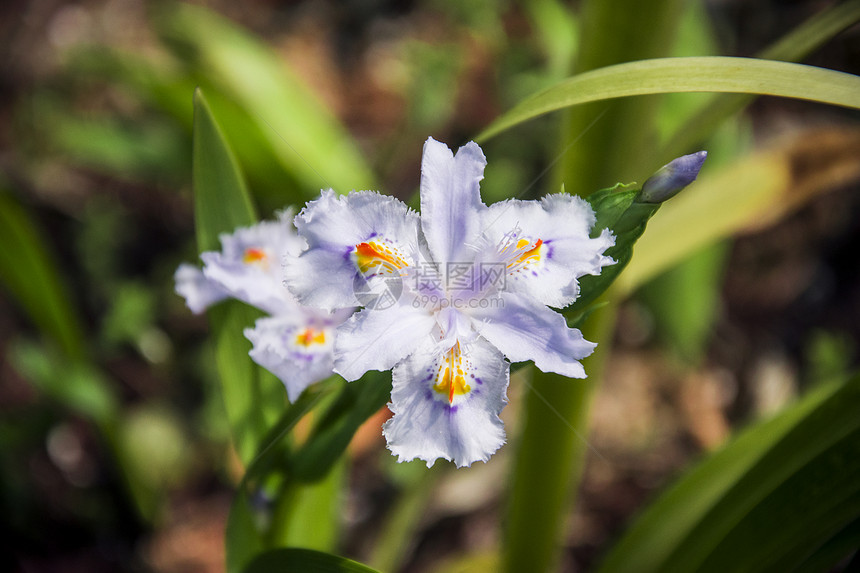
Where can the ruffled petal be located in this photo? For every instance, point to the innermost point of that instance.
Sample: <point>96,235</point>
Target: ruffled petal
<point>250,264</point>
<point>527,330</point>
<point>446,404</point>
<point>379,339</point>
<point>544,246</point>
<point>351,239</point>
<point>199,292</point>
<point>322,279</point>
<point>451,204</point>
<point>297,351</point>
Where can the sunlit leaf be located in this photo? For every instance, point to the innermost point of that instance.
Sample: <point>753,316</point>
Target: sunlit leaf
<point>697,74</point>
<point>310,514</point>
<point>792,47</point>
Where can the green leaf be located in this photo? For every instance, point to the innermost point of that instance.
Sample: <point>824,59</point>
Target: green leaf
<point>792,47</point>
<point>293,560</point>
<point>245,537</point>
<point>308,139</point>
<point>615,209</point>
<point>77,385</point>
<point>836,548</point>
<point>221,199</point>
<point>356,402</point>
<point>30,274</point>
<point>770,499</point>
<point>221,204</point>
<point>696,74</point>
<point>309,514</point>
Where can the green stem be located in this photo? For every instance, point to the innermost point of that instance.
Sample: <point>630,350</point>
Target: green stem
<point>603,143</point>
<point>600,147</point>
<point>308,514</point>
<point>394,541</point>
<point>552,449</point>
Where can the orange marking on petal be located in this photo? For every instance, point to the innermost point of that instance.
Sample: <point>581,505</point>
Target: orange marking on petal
<point>529,256</point>
<point>254,255</point>
<point>451,377</point>
<point>310,336</point>
<point>373,254</point>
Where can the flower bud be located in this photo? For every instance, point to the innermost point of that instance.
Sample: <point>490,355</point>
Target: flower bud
<point>671,178</point>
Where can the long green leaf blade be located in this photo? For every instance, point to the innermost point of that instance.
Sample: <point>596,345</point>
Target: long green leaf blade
<point>356,402</point>
<point>308,139</point>
<point>792,47</point>
<point>29,272</point>
<point>697,74</point>
<point>244,538</point>
<point>221,204</point>
<point>221,198</point>
<point>800,470</point>
<point>293,560</point>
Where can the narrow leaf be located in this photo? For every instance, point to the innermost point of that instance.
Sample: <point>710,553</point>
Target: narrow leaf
<point>221,199</point>
<point>293,560</point>
<point>357,402</point>
<point>30,274</point>
<point>308,139</point>
<point>222,203</point>
<point>696,74</point>
<point>765,502</point>
<point>244,537</point>
<point>792,47</point>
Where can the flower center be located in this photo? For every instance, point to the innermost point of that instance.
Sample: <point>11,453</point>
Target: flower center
<point>521,253</point>
<point>378,258</point>
<point>255,256</point>
<point>451,376</point>
<point>528,255</point>
<point>309,337</point>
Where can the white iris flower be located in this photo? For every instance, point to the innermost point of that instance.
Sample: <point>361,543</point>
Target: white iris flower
<point>295,342</point>
<point>451,297</point>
